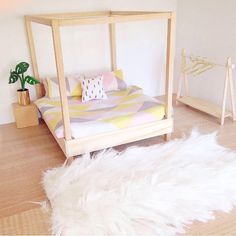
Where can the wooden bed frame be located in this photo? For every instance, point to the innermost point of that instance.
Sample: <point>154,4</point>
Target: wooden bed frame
<point>72,147</point>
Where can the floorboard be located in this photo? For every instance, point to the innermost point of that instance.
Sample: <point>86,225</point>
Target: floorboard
<point>26,153</point>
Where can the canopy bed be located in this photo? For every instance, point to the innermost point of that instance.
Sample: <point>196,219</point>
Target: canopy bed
<point>72,143</point>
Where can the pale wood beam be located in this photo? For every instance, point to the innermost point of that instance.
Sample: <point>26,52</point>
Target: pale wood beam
<point>61,79</point>
<point>112,32</point>
<point>28,26</point>
<point>39,19</point>
<point>169,68</point>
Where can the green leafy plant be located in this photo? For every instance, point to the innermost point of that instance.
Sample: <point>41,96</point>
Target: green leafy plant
<point>19,74</point>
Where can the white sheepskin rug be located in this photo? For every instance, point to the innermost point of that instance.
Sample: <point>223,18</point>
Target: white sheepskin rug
<point>144,191</point>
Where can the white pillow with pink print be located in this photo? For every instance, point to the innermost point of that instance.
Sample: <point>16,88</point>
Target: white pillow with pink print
<point>92,89</point>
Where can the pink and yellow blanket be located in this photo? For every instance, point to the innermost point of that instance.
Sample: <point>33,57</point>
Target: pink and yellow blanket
<point>123,109</point>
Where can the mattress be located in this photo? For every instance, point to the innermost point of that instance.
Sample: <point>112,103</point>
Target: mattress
<point>123,109</point>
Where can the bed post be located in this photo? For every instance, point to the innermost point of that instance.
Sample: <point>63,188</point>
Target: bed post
<point>169,69</point>
<point>112,32</point>
<point>61,78</point>
<point>231,85</point>
<point>28,26</point>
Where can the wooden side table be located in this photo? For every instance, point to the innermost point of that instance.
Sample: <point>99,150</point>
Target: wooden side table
<point>25,116</point>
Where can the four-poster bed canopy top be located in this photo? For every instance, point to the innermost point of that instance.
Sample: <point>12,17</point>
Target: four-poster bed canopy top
<point>70,146</point>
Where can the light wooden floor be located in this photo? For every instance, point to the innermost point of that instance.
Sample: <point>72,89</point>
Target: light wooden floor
<point>26,153</point>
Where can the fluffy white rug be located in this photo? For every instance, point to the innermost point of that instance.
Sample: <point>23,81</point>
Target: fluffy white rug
<point>147,191</point>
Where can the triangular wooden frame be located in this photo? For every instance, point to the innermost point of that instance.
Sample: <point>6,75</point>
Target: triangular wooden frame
<point>205,106</point>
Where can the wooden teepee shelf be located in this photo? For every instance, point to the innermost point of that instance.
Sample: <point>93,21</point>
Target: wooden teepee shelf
<point>200,65</point>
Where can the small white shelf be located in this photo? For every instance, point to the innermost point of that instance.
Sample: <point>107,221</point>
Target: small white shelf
<point>204,106</point>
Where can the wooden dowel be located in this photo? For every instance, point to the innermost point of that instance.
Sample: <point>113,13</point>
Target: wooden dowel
<point>231,85</point>
<point>112,32</point>
<point>112,19</point>
<point>182,77</point>
<point>170,65</point>
<point>216,64</point>
<point>39,19</point>
<point>224,96</point>
<point>61,79</point>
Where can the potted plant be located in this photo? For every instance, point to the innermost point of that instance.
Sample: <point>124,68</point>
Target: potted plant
<point>19,74</point>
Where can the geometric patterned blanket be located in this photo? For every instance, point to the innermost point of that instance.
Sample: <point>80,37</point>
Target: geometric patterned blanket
<point>122,109</point>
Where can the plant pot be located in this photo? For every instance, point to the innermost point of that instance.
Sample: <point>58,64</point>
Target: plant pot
<point>23,97</point>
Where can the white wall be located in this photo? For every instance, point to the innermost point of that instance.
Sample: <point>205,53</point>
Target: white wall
<point>141,47</point>
<point>207,28</point>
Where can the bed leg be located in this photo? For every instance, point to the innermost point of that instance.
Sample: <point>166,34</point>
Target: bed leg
<point>68,161</point>
<point>167,137</point>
